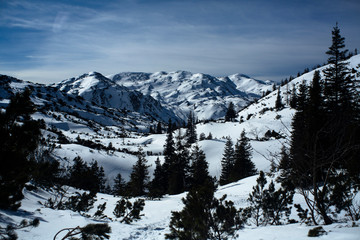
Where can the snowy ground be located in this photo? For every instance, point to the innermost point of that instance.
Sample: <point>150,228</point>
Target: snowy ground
<point>157,213</point>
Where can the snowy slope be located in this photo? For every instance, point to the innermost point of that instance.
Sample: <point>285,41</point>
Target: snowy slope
<point>157,213</point>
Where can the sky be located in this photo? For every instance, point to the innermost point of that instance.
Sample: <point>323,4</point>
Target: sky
<point>47,41</point>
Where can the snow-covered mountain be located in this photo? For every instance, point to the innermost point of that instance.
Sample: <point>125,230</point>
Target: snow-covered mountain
<point>206,95</point>
<point>97,89</point>
<point>90,99</point>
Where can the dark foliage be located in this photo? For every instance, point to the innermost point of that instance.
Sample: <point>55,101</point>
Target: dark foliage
<point>8,232</point>
<point>80,203</point>
<point>227,162</point>
<point>157,187</point>
<point>191,136</point>
<point>278,103</point>
<point>86,176</point>
<point>127,211</point>
<point>137,185</point>
<point>119,188</point>
<point>230,114</point>
<point>267,205</point>
<point>243,166</point>
<point>88,232</point>
<point>204,216</point>
<point>325,145</point>
<point>19,138</point>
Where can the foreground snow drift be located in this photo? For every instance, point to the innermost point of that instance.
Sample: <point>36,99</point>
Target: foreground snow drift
<point>157,214</point>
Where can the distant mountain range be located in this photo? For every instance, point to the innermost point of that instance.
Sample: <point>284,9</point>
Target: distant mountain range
<point>136,100</point>
<point>206,95</point>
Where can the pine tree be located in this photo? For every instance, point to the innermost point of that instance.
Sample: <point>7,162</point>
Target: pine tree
<point>139,176</point>
<point>199,174</point>
<point>87,177</point>
<point>119,188</point>
<point>158,184</point>
<point>293,98</point>
<point>204,216</point>
<point>191,135</point>
<point>243,166</point>
<point>257,199</point>
<point>338,80</point>
<point>182,162</point>
<point>278,103</point>
<point>230,113</point>
<point>97,177</point>
<point>227,162</point>
<point>169,156</point>
<point>159,128</point>
<point>323,141</point>
<point>20,137</point>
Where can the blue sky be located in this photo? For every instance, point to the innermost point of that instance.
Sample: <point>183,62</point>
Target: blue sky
<point>47,41</point>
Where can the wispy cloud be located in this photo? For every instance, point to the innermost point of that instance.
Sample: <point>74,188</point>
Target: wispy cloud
<point>56,40</point>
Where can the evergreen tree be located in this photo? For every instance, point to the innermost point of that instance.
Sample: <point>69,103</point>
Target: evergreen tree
<point>257,198</point>
<point>191,135</point>
<point>293,98</point>
<point>171,126</point>
<point>230,113</point>
<point>139,176</point>
<point>338,80</point>
<point>199,174</point>
<point>98,177</point>
<point>158,185</point>
<point>268,205</point>
<point>119,188</point>
<point>159,128</point>
<point>323,143</point>
<point>128,211</point>
<point>169,157</point>
<point>278,103</point>
<point>87,177</point>
<point>20,136</point>
<point>204,216</point>
<point>285,169</point>
<point>183,162</point>
<point>243,166</point>
<point>227,162</point>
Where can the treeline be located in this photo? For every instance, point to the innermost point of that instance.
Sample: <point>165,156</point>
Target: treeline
<point>322,162</point>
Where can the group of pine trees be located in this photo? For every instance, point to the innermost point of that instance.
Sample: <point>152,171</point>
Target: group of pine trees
<point>323,161</point>
<point>236,162</point>
<point>174,175</point>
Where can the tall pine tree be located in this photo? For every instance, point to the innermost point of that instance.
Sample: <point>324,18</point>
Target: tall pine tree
<point>243,166</point>
<point>227,162</point>
<point>230,113</point>
<point>157,187</point>
<point>191,135</point>
<point>139,176</point>
<point>20,136</point>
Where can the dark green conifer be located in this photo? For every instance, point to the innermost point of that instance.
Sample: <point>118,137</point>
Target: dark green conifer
<point>119,188</point>
<point>139,177</point>
<point>243,166</point>
<point>191,135</point>
<point>20,136</point>
<point>227,162</point>
<point>230,113</point>
<point>157,187</point>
